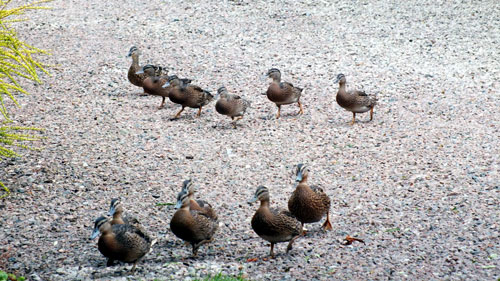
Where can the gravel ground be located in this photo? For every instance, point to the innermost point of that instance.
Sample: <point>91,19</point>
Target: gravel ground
<point>420,183</point>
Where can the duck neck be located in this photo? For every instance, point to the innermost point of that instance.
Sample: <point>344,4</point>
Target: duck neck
<point>264,204</point>
<point>117,215</point>
<point>277,79</point>
<point>105,228</point>
<point>135,59</point>
<point>342,87</point>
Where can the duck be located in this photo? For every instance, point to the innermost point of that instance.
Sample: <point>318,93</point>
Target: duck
<point>134,77</point>
<point>187,95</point>
<point>116,211</point>
<point>274,225</point>
<point>231,105</point>
<point>309,204</point>
<point>354,100</point>
<point>192,226</point>
<point>152,83</point>
<point>282,92</point>
<point>122,242</point>
<point>197,205</point>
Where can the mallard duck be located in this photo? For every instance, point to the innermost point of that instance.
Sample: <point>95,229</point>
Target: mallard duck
<point>116,211</point>
<point>353,100</point>
<point>231,105</point>
<point>135,78</point>
<point>309,204</point>
<point>121,242</point>
<point>192,226</point>
<point>187,95</point>
<point>197,205</point>
<point>274,225</point>
<point>282,92</point>
<point>152,84</point>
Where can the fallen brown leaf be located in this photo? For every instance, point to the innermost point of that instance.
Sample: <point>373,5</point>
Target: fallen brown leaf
<point>349,240</point>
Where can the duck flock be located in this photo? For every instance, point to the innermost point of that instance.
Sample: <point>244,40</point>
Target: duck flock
<point>123,238</point>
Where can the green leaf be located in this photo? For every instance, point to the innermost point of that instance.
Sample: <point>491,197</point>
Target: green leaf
<point>164,204</point>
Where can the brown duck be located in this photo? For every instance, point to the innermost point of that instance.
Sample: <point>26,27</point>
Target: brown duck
<point>187,95</point>
<point>274,225</point>
<point>282,92</point>
<point>231,105</point>
<point>122,242</point>
<point>192,226</point>
<point>135,78</point>
<point>308,204</point>
<point>197,205</point>
<point>353,100</point>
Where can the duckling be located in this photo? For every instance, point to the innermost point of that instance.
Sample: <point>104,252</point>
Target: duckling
<point>152,84</point>
<point>192,226</point>
<point>134,77</point>
<point>274,225</point>
<point>121,242</point>
<point>309,204</point>
<point>187,95</point>
<point>231,105</point>
<point>197,205</point>
<point>282,92</point>
<point>116,211</point>
<point>353,100</point>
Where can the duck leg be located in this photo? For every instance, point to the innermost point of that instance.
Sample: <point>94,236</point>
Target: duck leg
<point>301,111</point>
<point>110,262</point>
<point>179,113</point>
<point>289,247</point>
<point>162,103</point>
<point>272,250</point>
<point>135,264</point>
<point>197,246</point>
<point>199,112</point>
<point>279,111</point>
<point>353,118</point>
<point>371,114</point>
<point>327,225</point>
<point>236,120</point>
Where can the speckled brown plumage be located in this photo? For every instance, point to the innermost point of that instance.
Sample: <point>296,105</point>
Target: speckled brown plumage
<point>231,105</point>
<point>153,84</point>
<point>308,204</point>
<point>116,211</point>
<point>272,224</point>
<point>354,100</point>
<point>201,206</point>
<point>133,77</point>
<point>121,242</point>
<point>192,226</point>
<point>187,95</point>
<point>282,92</point>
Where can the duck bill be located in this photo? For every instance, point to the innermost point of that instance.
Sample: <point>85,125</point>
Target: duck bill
<point>178,205</point>
<point>112,211</point>
<point>299,177</point>
<point>94,233</point>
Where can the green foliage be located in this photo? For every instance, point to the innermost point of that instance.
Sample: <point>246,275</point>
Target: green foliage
<point>16,63</point>
<point>221,277</point>
<point>4,276</point>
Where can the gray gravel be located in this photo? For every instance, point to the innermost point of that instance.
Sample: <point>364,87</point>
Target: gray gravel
<point>420,183</point>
